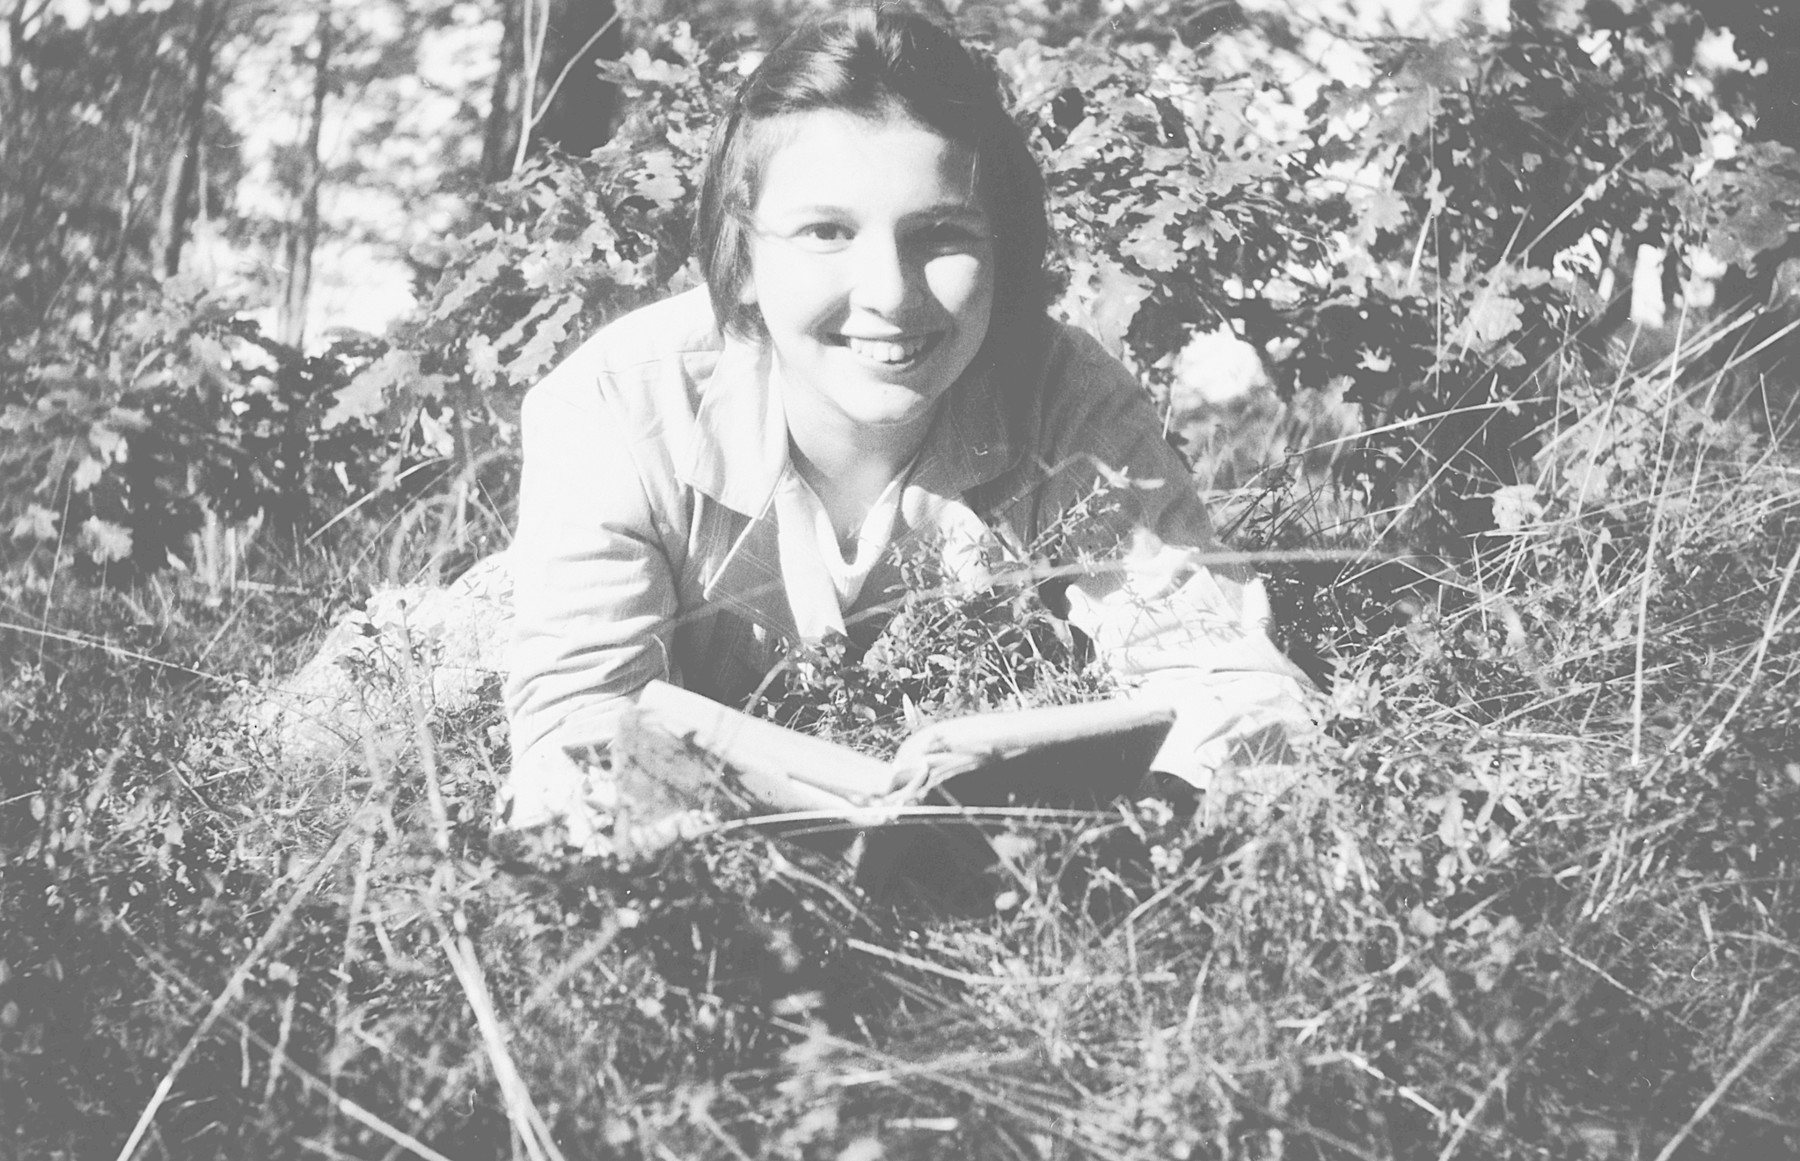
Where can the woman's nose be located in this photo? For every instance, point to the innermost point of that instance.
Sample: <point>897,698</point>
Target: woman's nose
<point>883,279</point>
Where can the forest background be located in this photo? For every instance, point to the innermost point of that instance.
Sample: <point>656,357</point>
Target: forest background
<point>1475,319</point>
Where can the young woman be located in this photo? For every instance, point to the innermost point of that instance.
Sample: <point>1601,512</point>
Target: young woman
<point>719,476</point>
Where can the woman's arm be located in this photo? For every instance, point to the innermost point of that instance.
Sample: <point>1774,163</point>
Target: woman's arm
<point>597,558</point>
<point>1188,633</point>
<point>594,591</point>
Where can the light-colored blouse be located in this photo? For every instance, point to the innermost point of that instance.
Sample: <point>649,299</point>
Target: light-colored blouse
<point>664,533</point>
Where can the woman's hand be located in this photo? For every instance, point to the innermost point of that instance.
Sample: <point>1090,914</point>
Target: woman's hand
<point>576,800</point>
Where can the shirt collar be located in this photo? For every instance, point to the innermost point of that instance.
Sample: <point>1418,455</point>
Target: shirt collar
<point>740,446</point>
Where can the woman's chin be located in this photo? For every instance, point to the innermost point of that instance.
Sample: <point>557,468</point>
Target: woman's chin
<point>900,416</point>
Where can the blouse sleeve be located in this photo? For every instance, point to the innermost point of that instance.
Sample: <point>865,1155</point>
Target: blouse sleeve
<point>594,591</point>
<point>1186,632</point>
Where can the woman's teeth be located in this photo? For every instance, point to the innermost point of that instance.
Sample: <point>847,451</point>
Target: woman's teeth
<point>890,351</point>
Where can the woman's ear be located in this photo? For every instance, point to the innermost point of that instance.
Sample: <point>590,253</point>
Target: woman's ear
<point>746,294</point>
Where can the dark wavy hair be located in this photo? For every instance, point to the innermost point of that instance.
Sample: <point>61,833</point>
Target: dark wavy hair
<point>877,62</point>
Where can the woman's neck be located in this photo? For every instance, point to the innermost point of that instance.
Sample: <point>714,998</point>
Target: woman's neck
<point>850,466</point>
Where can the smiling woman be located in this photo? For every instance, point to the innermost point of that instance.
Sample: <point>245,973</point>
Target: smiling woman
<point>723,476</point>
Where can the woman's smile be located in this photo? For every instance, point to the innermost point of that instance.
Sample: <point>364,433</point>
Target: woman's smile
<point>900,352</point>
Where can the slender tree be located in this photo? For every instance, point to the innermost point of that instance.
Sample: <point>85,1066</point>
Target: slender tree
<point>500,139</point>
<point>182,190</point>
<point>303,232</point>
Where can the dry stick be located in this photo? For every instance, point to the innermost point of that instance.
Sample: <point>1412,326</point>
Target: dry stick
<point>539,996</point>
<point>1036,1118</point>
<point>526,1121</point>
<point>371,494</point>
<point>434,789</point>
<point>320,868</point>
<point>278,1057</point>
<point>1771,626</point>
<point>975,979</point>
<point>359,895</point>
<point>573,966</point>
<point>699,1112</point>
<point>556,85</point>
<point>1499,1080</point>
<point>1286,1122</point>
<point>1643,608</point>
<point>108,647</point>
<point>1726,1081</point>
<point>1406,1092</point>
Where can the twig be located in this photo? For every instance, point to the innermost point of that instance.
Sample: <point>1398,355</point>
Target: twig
<point>1056,1127</point>
<point>573,966</point>
<point>974,979</point>
<point>277,1057</point>
<point>1251,1103</point>
<point>1772,624</point>
<point>1726,1081</point>
<point>434,787</point>
<point>44,634</point>
<point>526,1121</point>
<point>556,85</point>
<point>859,818</point>
<point>235,984</point>
<point>1498,1080</point>
<point>1643,607</point>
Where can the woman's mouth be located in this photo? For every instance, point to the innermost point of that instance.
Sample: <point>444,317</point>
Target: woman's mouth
<point>900,351</point>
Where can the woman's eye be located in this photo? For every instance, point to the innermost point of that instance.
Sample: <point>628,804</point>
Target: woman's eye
<point>824,234</point>
<point>951,238</point>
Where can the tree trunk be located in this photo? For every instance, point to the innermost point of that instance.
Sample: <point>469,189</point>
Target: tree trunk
<point>183,189</point>
<point>501,139</point>
<point>303,235</point>
<point>12,44</point>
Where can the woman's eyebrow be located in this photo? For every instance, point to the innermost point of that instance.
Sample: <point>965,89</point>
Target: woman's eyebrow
<point>969,211</point>
<point>951,209</point>
<point>813,211</point>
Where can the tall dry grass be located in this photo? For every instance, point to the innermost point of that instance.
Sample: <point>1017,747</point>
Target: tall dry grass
<point>1537,900</point>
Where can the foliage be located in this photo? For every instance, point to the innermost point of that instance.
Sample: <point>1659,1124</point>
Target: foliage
<point>945,651</point>
<point>123,451</point>
<point>1540,902</point>
<point>1429,246</point>
<point>570,242</point>
<point>80,97</point>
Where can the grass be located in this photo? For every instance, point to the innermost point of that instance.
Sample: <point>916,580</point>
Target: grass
<point>1538,902</point>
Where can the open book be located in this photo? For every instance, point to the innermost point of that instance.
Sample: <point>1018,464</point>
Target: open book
<point>679,751</point>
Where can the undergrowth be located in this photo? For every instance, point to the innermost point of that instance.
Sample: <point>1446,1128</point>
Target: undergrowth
<point>1539,901</point>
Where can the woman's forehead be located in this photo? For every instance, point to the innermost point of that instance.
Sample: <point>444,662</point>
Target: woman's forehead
<point>828,154</point>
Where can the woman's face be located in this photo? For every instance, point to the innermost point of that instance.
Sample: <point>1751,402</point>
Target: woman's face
<point>872,262</point>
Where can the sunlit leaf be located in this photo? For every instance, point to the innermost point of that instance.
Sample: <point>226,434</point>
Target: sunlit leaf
<point>659,179</point>
<point>1492,317</point>
<point>108,441</point>
<point>477,278</point>
<point>1386,210</point>
<point>1105,298</point>
<point>35,523</point>
<point>87,473</point>
<point>105,541</point>
<point>484,361</point>
<point>541,349</point>
<point>367,394</point>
